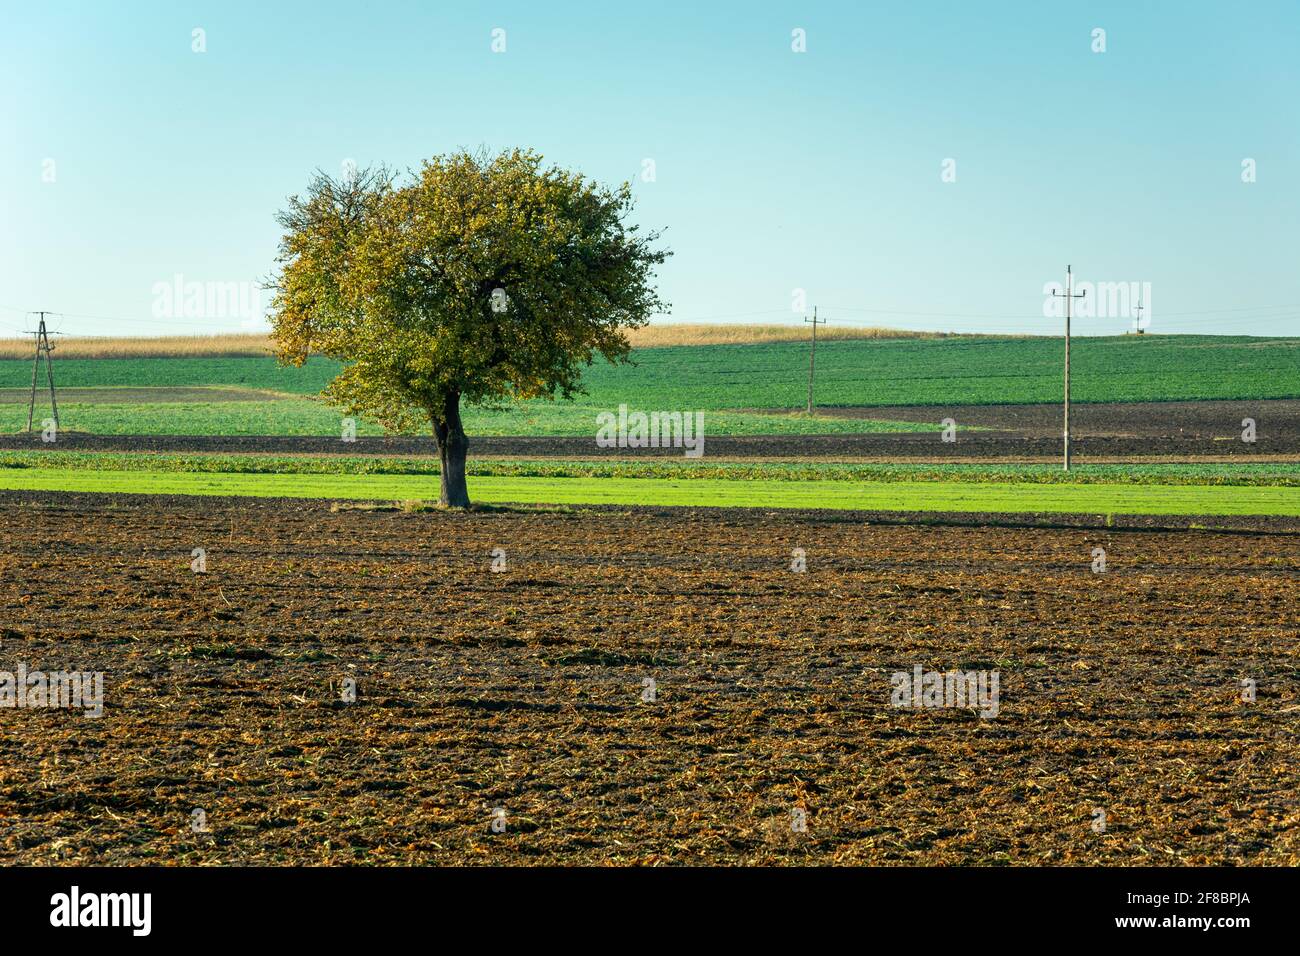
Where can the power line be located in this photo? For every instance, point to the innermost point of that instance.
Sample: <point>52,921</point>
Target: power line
<point>43,347</point>
<point>812,355</point>
<point>1069,297</point>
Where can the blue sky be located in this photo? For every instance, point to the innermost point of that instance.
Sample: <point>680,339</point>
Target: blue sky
<point>774,170</point>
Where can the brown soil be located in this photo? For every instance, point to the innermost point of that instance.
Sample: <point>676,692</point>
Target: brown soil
<point>1212,420</point>
<point>522,690</point>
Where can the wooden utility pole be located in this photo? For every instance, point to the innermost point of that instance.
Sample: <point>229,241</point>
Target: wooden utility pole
<point>1069,297</point>
<point>43,347</point>
<point>812,356</point>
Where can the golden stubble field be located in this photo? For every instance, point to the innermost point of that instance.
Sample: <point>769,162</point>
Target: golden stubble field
<point>256,344</point>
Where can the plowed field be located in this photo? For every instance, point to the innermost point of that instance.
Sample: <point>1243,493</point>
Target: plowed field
<point>1121,736</point>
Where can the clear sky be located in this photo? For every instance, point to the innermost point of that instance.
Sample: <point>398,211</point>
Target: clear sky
<point>128,159</point>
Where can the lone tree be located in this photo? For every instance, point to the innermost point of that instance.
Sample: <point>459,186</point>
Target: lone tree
<point>484,279</point>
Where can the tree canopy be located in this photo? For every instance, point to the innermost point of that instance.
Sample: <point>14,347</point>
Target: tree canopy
<point>482,279</point>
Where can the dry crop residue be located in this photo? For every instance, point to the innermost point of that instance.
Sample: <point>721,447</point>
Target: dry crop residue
<point>1120,692</point>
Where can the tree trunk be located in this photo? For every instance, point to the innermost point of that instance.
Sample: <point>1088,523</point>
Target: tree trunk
<point>452,447</point>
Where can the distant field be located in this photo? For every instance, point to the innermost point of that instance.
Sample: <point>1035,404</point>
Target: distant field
<point>88,346</point>
<point>1006,497</point>
<point>301,416</point>
<point>962,370</point>
<point>716,379</point>
<point>239,344</point>
<point>124,395</point>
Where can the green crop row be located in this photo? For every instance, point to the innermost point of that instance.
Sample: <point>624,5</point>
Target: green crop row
<point>706,492</point>
<point>1280,474</point>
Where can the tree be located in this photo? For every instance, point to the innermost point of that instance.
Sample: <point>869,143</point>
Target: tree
<point>484,279</point>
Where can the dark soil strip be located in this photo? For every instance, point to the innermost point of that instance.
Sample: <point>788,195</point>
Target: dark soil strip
<point>1275,419</point>
<point>901,446</point>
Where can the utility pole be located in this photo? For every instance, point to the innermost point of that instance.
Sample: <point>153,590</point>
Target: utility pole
<point>1137,326</point>
<point>43,347</point>
<point>812,356</point>
<point>1069,297</point>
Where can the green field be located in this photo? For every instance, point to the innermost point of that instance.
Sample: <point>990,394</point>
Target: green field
<point>959,370</point>
<point>1277,474</point>
<point>717,379</point>
<point>715,492</point>
<point>733,384</point>
<point>302,416</point>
